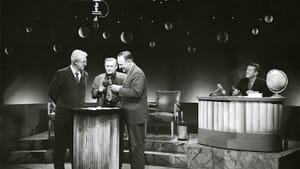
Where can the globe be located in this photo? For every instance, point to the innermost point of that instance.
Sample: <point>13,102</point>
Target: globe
<point>277,81</point>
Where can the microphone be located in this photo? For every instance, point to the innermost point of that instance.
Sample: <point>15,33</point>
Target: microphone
<point>219,88</point>
<point>223,91</point>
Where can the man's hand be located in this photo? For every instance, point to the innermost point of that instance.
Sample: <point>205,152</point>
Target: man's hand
<point>115,88</point>
<point>235,91</point>
<point>101,88</point>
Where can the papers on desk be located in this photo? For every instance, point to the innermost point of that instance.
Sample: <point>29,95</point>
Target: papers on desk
<point>254,94</point>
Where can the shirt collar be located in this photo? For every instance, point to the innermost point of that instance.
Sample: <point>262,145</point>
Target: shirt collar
<point>252,80</point>
<point>74,71</point>
<point>113,75</point>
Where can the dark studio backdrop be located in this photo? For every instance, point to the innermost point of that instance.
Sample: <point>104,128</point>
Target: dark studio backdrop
<point>186,45</point>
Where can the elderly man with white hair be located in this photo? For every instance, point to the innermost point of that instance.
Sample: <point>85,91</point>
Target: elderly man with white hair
<point>67,90</point>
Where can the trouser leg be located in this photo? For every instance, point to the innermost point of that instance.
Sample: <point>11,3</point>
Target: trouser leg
<point>63,138</point>
<point>137,145</point>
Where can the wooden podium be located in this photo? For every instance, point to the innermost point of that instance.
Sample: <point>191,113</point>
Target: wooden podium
<point>96,138</point>
<point>241,123</point>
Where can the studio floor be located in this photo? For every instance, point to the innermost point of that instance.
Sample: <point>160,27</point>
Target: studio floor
<point>68,166</point>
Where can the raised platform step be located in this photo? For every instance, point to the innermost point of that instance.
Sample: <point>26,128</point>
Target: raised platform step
<point>161,143</point>
<point>152,158</point>
<point>201,156</point>
<point>161,150</point>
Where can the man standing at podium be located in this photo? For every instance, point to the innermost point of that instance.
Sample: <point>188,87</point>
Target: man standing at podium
<point>251,82</point>
<point>101,87</point>
<point>67,90</point>
<point>134,101</point>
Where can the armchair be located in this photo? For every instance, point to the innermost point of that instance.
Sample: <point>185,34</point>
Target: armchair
<point>166,108</point>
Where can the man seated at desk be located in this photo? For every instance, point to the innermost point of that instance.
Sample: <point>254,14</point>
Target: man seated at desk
<point>251,83</point>
<point>101,87</point>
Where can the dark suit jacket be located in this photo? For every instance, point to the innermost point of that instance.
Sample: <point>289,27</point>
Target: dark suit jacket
<point>64,90</point>
<point>134,96</point>
<point>259,85</point>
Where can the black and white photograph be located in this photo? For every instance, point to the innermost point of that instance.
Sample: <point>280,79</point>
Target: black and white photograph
<point>149,84</point>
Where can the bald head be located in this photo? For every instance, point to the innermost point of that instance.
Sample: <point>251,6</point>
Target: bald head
<point>125,60</point>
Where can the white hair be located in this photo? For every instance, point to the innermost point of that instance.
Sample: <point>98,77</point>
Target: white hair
<point>78,54</point>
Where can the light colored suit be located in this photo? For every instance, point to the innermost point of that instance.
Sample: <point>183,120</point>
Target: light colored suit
<point>134,101</point>
<point>134,96</point>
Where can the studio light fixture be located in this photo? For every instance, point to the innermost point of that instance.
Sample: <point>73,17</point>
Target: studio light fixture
<point>101,10</point>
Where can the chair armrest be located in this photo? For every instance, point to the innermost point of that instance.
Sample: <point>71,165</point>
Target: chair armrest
<point>152,104</point>
<point>152,110</point>
<point>177,107</point>
<point>152,107</point>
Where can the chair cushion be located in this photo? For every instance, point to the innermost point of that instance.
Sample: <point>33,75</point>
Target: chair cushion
<point>166,100</point>
<point>161,116</point>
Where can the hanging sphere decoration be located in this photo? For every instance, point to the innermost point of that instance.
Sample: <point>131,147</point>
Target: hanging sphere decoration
<point>106,35</point>
<point>255,31</point>
<point>268,18</point>
<point>28,29</point>
<point>222,37</point>
<point>57,48</point>
<point>126,37</point>
<point>84,32</point>
<point>191,49</point>
<point>169,26</point>
<point>152,44</point>
<point>9,51</point>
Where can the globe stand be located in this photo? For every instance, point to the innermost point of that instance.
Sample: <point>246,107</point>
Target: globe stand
<point>276,95</point>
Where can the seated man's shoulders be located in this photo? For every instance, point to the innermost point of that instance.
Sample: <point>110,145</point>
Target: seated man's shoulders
<point>244,80</point>
<point>261,81</point>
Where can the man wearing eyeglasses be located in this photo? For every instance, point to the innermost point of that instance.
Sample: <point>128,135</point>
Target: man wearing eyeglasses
<point>67,90</point>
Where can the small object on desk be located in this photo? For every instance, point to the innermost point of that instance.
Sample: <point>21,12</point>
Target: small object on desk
<point>254,94</point>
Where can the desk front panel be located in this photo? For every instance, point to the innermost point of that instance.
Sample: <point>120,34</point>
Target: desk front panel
<point>240,120</point>
<point>96,140</point>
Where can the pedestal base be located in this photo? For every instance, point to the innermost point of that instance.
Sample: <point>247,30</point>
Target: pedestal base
<point>206,157</point>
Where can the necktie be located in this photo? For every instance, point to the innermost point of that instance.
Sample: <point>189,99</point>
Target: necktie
<point>250,84</point>
<point>77,77</point>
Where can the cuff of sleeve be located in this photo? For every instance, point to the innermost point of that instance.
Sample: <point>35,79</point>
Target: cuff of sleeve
<point>121,91</point>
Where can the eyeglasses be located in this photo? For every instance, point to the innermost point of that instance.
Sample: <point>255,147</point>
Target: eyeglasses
<point>82,61</point>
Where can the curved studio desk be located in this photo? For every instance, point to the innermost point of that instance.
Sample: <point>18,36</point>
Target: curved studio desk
<point>241,123</point>
<point>96,138</point>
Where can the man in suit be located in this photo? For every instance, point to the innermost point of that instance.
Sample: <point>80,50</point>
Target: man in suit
<point>67,90</point>
<point>251,83</point>
<point>134,101</point>
<point>101,87</point>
